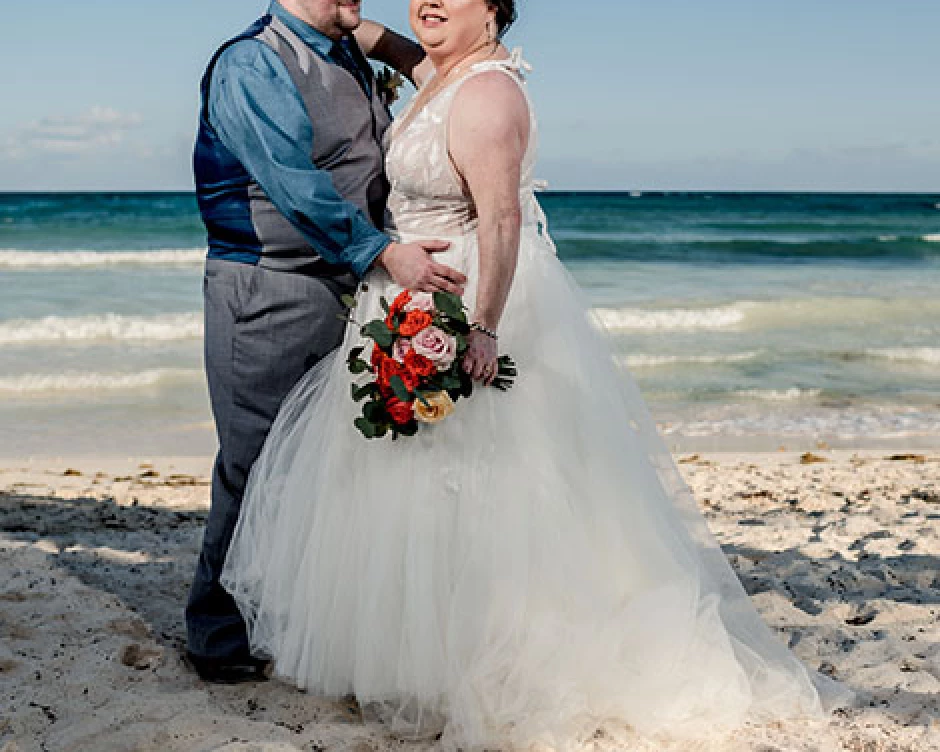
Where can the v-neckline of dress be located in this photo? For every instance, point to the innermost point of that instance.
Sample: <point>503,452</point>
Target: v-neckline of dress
<point>409,116</point>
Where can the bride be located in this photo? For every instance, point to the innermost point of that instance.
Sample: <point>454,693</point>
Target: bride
<point>531,570</point>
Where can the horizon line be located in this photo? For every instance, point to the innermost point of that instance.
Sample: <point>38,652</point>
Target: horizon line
<point>560,191</point>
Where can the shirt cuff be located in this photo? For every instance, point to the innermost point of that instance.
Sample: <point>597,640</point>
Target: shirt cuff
<point>364,251</point>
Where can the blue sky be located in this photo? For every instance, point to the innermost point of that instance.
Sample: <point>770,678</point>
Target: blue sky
<point>658,94</point>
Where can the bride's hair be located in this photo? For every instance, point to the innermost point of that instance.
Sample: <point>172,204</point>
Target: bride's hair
<point>505,14</point>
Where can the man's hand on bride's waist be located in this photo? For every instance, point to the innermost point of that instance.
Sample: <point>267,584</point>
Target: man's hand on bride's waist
<point>413,267</point>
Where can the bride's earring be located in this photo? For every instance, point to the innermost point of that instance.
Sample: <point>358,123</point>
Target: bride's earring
<point>491,31</point>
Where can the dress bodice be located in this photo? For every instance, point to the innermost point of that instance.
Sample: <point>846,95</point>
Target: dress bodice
<point>428,198</point>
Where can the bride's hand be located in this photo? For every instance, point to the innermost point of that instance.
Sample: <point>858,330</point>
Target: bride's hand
<point>480,360</point>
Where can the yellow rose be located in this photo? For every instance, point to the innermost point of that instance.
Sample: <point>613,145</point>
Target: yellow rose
<point>439,406</point>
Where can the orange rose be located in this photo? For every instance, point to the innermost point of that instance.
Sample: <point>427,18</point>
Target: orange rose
<point>414,322</point>
<point>401,412</point>
<point>397,306</point>
<point>419,365</point>
<point>410,379</point>
<point>390,368</point>
<point>377,357</point>
<point>387,368</point>
<point>403,299</point>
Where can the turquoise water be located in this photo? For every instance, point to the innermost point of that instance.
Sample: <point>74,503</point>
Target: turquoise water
<point>747,319</point>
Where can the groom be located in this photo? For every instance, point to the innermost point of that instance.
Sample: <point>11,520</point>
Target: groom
<point>291,186</point>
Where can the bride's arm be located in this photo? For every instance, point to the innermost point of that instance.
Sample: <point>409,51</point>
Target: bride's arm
<point>488,136</point>
<point>391,48</point>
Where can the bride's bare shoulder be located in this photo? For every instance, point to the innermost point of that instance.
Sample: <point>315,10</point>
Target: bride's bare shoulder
<point>492,101</point>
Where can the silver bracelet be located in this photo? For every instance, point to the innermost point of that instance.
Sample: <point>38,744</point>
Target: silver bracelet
<point>478,327</point>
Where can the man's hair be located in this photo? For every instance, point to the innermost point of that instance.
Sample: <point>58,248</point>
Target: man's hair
<point>505,14</point>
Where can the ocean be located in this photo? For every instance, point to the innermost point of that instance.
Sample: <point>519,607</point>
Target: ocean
<point>750,321</point>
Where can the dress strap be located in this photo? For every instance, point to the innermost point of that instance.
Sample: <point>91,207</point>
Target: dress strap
<point>514,62</point>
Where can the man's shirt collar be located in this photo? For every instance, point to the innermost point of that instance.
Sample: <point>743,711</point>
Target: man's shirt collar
<point>310,36</point>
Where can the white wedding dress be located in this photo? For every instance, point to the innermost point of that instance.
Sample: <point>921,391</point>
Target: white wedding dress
<point>532,570</point>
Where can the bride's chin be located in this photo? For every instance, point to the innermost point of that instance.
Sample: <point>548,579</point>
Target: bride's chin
<point>429,42</point>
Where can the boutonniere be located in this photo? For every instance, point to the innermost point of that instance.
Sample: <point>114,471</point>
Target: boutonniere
<point>388,82</point>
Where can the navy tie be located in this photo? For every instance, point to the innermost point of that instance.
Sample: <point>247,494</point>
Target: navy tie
<point>343,54</point>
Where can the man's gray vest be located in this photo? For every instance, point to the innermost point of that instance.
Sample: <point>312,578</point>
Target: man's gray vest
<point>243,224</point>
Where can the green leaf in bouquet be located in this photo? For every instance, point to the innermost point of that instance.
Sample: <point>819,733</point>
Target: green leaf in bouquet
<point>449,381</point>
<point>359,393</point>
<point>461,343</point>
<point>506,367</point>
<point>399,388</point>
<point>505,373</point>
<point>349,301</point>
<point>409,429</point>
<point>466,384</point>
<point>375,412</point>
<point>358,366</point>
<point>450,305</point>
<point>355,353</point>
<point>366,427</point>
<point>379,332</point>
<point>384,303</point>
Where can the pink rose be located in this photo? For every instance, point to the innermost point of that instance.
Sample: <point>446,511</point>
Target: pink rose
<point>401,348</point>
<point>437,346</point>
<point>421,301</point>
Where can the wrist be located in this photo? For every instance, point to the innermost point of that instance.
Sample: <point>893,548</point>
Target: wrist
<point>384,255</point>
<point>490,332</point>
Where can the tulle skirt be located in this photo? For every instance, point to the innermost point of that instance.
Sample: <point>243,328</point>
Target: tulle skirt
<point>532,570</point>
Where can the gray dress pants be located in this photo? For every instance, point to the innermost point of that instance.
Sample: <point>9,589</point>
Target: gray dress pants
<point>264,330</point>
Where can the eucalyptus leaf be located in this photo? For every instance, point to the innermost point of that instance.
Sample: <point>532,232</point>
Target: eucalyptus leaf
<point>358,366</point>
<point>409,429</point>
<point>449,304</point>
<point>399,388</point>
<point>374,412</point>
<point>367,428</point>
<point>379,332</point>
<point>466,384</point>
<point>359,393</point>
<point>349,301</point>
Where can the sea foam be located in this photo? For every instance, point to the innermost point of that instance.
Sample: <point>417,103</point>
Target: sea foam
<point>83,381</point>
<point>642,360</point>
<point>928,355</point>
<point>16,259</point>
<point>779,395</point>
<point>932,238</point>
<point>110,326</point>
<point>722,317</point>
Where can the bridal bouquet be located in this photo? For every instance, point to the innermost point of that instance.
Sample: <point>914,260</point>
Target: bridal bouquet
<point>415,364</point>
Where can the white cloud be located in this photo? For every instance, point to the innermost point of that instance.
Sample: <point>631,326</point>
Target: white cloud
<point>68,135</point>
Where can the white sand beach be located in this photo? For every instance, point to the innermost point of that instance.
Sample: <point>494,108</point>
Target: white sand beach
<point>841,555</point>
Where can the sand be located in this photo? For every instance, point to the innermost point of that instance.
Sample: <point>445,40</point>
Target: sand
<point>841,556</point>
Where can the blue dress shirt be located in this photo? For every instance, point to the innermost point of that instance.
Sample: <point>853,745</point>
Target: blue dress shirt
<point>261,118</point>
